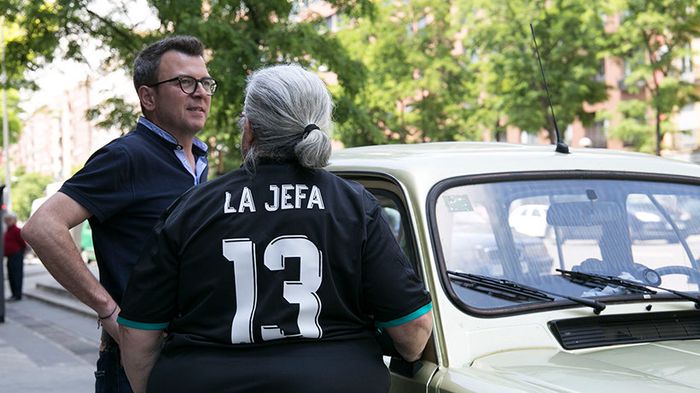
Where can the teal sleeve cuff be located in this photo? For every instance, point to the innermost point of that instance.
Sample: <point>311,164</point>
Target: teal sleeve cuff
<point>141,325</point>
<point>408,318</point>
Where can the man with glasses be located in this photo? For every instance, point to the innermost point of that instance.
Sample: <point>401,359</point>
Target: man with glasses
<point>126,185</point>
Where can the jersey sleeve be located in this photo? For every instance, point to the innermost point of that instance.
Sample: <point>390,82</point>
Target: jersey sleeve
<point>150,298</point>
<point>393,291</point>
<point>104,185</point>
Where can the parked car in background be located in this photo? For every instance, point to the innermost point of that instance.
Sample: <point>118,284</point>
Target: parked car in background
<point>516,311</point>
<point>646,221</point>
<point>475,247</point>
<point>530,220</point>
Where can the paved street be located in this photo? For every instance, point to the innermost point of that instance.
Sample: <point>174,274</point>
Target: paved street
<point>46,347</point>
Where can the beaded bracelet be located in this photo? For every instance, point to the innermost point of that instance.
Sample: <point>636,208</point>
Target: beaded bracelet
<point>100,319</point>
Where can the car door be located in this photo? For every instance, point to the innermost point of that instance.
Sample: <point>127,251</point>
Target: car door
<point>405,377</point>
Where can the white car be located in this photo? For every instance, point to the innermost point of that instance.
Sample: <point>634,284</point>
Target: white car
<point>531,220</point>
<point>514,313</point>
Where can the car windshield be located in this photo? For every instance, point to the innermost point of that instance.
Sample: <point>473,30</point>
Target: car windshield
<point>527,232</point>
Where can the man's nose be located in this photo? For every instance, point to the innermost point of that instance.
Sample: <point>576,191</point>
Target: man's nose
<point>199,89</point>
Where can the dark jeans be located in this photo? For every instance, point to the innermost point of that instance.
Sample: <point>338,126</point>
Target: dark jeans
<point>15,273</point>
<point>110,376</point>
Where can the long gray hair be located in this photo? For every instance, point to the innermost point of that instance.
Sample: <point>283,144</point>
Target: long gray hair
<point>280,103</point>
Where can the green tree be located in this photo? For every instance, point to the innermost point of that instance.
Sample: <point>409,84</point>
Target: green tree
<point>653,38</point>
<point>571,40</point>
<point>634,129</point>
<point>9,32</point>
<point>25,189</point>
<point>240,36</point>
<point>419,86</point>
<point>13,121</point>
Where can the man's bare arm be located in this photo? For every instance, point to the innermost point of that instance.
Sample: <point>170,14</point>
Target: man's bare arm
<point>139,352</point>
<point>410,338</point>
<point>48,232</point>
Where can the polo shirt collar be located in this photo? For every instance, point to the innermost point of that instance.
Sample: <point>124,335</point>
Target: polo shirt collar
<point>167,136</point>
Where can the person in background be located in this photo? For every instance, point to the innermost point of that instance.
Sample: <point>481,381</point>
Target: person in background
<point>274,277</point>
<point>14,251</point>
<point>126,185</point>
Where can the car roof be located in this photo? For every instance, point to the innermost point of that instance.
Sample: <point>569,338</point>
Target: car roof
<point>435,161</point>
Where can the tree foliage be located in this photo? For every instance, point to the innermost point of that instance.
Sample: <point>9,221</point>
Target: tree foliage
<point>634,127</point>
<point>406,71</point>
<point>13,122</point>
<point>470,67</point>
<point>419,87</point>
<point>11,95</point>
<point>26,187</point>
<point>571,39</point>
<point>653,35</point>
<point>240,36</point>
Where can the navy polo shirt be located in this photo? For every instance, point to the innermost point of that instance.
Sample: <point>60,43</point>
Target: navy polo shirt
<point>126,185</point>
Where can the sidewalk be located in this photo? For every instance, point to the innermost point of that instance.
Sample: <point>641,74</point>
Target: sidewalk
<point>39,285</point>
<point>48,341</point>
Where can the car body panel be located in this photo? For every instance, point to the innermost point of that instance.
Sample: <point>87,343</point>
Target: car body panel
<point>426,164</point>
<point>659,367</point>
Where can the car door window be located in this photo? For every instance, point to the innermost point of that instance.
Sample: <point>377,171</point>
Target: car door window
<point>395,215</point>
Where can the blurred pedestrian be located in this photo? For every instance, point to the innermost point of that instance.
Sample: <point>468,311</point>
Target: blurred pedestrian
<point>126,185</point>
<point>14,251</point>
<point>274,277</point>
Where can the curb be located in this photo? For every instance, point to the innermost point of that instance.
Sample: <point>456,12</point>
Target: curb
<point>64,300</point>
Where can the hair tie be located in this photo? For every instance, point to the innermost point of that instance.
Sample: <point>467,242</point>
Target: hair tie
<point>308,129</point>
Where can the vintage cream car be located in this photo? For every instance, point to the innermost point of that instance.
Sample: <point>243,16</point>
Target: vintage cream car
<point>521,313</point>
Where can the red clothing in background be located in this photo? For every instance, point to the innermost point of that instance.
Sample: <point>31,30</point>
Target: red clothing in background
<point>13,241</point>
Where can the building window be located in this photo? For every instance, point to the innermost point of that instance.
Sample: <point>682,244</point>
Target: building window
<point>332,22</point>
<point>600,75</point>
<point>422,22</point>
<point>597,134</point>
<point>686,68</point>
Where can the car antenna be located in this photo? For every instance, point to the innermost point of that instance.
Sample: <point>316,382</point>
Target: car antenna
<point>561,146</point>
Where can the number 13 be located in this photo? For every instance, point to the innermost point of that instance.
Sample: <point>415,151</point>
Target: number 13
<point>241,252</point>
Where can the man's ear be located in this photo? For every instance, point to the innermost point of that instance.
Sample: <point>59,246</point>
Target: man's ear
<point>147,98</point>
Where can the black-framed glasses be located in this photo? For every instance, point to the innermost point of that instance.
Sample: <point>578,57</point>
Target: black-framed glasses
<point>188,84</point>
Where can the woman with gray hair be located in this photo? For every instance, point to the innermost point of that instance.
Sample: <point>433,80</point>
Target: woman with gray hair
<point>273,277</point>
<point>289,110</point>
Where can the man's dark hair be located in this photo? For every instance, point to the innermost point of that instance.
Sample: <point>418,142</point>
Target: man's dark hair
<point>147,62</point>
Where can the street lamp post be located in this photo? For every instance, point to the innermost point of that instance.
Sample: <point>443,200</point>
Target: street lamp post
<point>5,126</point>
<point>5,137</point>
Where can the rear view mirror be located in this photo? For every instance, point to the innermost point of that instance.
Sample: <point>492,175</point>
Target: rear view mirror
<point>583,214</point>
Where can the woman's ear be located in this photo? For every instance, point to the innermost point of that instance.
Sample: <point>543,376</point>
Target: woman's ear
<point>247,139</point>
<point>147,98</point>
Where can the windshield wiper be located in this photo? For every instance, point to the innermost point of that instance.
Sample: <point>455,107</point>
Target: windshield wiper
<point>513,291</point>
<point>601,280</point>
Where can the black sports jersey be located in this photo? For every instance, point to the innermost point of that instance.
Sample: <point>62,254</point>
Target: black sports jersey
<point>286,255</point>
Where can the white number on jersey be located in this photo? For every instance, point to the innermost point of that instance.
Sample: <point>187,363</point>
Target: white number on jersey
<point>241,252</point>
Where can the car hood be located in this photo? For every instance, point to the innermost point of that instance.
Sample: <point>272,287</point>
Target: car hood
<point>672,366</point>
